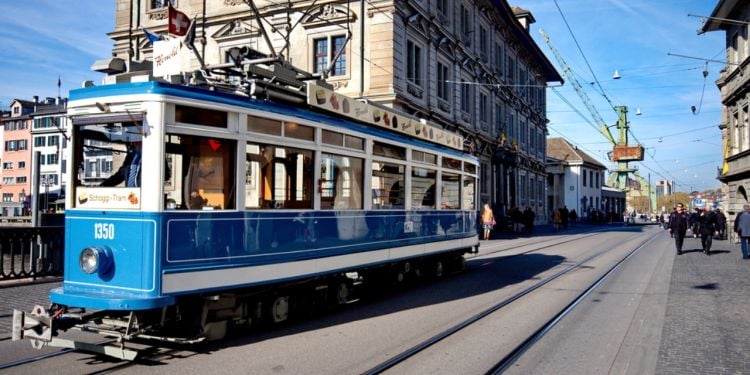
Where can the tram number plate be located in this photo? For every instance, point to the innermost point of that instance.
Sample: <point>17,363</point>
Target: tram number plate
<point>104,231</point>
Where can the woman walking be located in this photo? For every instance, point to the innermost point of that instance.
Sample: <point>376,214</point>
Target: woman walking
<point>488,221</point>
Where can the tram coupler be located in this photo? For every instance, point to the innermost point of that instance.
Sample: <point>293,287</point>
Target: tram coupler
<point>35,326</point>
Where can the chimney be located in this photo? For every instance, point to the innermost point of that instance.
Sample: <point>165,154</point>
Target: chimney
<point>36,101</point>
<point>524,17</point>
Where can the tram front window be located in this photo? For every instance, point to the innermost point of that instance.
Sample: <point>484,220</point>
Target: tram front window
<point>109,158</point>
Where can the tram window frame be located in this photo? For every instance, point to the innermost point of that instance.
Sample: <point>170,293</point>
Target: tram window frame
<point>263,125</point>
<point>201,116</point>
<point>423,188</point>
<point>388,150</point>
<point>423,157</point>
<point>448,199</point>
<point>337,192</point>
<point>469,192</point>
<point>389,174</point>
<point>450,163</point>
<point>299,131</point>
<point>333,138</point>
<point>204,165</point>
<point>268,170</point>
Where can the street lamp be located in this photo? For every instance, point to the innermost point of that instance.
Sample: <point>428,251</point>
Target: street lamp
<point>46,182</point>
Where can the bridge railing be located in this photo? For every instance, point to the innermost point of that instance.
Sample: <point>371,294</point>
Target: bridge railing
<point>31,252</point>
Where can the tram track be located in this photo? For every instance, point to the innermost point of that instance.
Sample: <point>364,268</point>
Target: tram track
<point>527,343</point>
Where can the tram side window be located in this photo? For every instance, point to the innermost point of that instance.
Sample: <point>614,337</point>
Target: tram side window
<point>469,192</point>
<point>199,173</point>
<point>340,182</point>
<point>388,185</point>
<point>449,193</point>
<point>278,177</point>
<point>422,188</point>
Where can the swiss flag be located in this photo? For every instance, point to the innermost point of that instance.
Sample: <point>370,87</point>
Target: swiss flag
<point>179,23</point>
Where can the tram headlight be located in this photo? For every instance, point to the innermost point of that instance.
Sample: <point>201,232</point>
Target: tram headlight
<point>94,259</point>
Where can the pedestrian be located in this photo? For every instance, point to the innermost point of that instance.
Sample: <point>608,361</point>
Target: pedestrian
<point>528,218</point>
<point>742,227</point>
<point>488,221</point>
<point>556,219</point>
<point>708,226</point>
<point>678,226</point>
<point>564,216</point>
<point>693,222</point>
<point>573,217</point>
<point>671,219</point>
<point>721,222</point>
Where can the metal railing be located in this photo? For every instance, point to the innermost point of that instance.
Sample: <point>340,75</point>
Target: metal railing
<point>31,252</point>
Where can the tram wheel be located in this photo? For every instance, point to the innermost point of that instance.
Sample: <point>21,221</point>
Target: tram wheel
<point>438,268</point>
<point>343,291</point>
<point>280,309</point>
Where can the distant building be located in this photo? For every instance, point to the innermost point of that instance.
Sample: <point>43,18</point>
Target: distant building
<point>731,17</point>
<point>15,176</point>
<point>663,188</point>
<point>575,180</point>
<point>49,138</point>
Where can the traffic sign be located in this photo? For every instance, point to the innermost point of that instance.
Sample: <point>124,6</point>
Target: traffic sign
<point>699,202</point>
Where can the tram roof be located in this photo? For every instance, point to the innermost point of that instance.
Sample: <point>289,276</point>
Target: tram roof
<point>302,111</point>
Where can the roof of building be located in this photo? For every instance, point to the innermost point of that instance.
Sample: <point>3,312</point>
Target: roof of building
<point>720,17</point>
<point>560,149</point>
<point>549,71</point>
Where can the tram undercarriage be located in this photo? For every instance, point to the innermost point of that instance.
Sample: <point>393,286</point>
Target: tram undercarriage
<point>210,317</point>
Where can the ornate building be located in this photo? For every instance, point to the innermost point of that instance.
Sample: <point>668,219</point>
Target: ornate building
<point>734,83</point>
<point>469,66</point>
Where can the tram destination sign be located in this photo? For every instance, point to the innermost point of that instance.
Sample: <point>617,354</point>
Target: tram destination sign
<point>326,99</point>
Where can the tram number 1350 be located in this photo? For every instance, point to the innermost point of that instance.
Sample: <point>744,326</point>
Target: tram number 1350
<point>104,231</point>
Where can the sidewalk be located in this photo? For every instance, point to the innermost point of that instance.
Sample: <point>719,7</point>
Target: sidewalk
<point>707,323</point>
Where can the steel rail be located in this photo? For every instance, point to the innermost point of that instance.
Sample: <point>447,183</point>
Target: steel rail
<point>519,350</point>
<point>403,356</point>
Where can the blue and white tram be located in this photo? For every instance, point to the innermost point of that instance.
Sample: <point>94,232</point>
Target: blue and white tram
<point>191,210</point>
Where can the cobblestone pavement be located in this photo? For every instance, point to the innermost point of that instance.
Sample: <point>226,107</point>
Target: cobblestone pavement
<point>707,323</point>
<point>22,296</point>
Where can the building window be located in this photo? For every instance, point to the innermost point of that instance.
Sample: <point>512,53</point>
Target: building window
<point>483,43</point>
<point>53,140</point>
<point>414,63</point>
<point>323,54</point>
<point>484,110</point>
<point>21,180</point>
<point>52,159</point>
<point>597,180</point>
<point>465,24</point>
<point>157,4</point>
<point>442,7</point>
<point>7,197</point>
<point>8,165</point>
<point>21,164</point>
<point>465,96</point>
<point>443,76</point>
<point>8,180</point>
<point>40,142</point>
<point>584,178</point>
<point>499,59</point>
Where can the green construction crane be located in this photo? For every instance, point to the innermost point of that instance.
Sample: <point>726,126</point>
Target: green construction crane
<point>621,153</point>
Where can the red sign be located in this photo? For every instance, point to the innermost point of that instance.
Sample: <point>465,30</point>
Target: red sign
<point>627,153</point>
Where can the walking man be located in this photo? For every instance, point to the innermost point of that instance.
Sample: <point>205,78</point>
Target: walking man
<point>742,227</point>
<point>678,226</point>
<point>708,228</point>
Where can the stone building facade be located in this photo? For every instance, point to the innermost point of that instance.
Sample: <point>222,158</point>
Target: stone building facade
<point>731,17</point>
<point>469,66</point>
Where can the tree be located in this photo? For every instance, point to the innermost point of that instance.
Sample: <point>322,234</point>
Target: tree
<point>669,201</point>
<point>640,203</point>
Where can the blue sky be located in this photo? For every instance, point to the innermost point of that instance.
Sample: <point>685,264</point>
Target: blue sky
<point>43,39</point>
<point>636,37</point>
